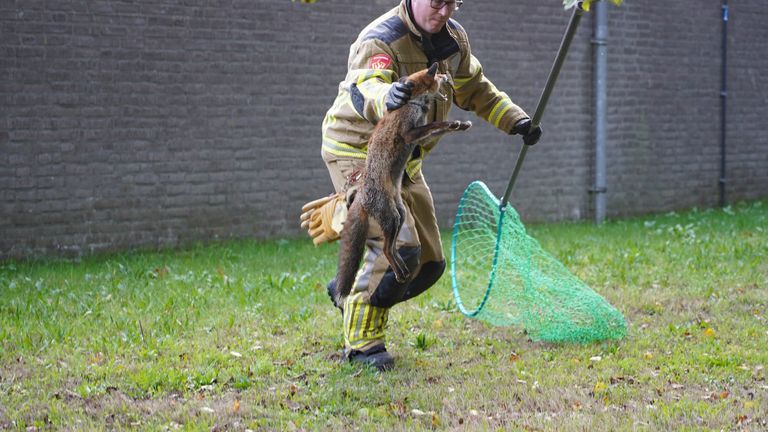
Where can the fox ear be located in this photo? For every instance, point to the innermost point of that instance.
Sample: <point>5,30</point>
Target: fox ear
<point>432,70</point>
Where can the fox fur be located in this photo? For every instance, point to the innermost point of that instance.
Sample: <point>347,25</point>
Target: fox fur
<point>379,196</point>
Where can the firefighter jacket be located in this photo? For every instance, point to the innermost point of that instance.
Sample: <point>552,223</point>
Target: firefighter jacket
<point>390,47</point>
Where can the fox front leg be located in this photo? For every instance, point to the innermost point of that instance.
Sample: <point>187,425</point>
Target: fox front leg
<point>434,130</point>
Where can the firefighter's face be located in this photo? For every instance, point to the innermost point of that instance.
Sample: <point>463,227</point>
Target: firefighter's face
<point>432,20</point>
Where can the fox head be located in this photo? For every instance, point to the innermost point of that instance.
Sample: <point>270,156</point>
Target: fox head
<point>427,82</point>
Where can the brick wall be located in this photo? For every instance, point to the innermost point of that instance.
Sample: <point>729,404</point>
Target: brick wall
<point>147,124</point>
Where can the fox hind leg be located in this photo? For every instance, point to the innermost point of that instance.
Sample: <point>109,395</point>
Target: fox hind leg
<point>391,230</point>
<point>406,273</point>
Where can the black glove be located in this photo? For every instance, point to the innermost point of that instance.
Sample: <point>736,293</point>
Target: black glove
<point>523,127</point>
<point>399,95</point>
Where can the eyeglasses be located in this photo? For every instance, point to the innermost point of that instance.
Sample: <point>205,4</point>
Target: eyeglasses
<point>438,4</point>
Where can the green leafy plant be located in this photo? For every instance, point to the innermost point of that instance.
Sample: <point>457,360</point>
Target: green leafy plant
<point>422,341</point>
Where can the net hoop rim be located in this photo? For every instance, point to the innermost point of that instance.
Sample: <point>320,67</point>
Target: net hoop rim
<point>454,235</point>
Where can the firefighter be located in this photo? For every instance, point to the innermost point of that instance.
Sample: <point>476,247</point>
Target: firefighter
<point>408,38</point>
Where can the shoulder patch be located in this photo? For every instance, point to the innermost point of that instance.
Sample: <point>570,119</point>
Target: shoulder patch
<point>379,61</point>
<point>388,31</point>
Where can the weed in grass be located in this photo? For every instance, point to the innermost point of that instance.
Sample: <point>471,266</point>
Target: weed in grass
<point>448,305</point>
<point>422,341</point>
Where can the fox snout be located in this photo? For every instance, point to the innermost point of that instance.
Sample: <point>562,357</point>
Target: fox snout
<point>441,80</point>
<point>444,79</point>
<point>428,82</point>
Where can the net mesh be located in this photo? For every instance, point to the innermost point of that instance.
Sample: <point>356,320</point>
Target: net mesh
<point>502,276</point>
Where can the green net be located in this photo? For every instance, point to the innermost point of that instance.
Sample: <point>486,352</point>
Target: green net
<point>502,276</point>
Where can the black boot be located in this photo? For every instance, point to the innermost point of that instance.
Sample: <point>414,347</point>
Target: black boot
<point>377,357</point>
<point>332,293</point>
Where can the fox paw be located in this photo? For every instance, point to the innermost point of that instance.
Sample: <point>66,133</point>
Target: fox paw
<point>402,277</point>
<point>461,125</point>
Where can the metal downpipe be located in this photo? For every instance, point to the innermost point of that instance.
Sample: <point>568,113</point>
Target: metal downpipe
<point>723,99</point>
<point>600,61</point>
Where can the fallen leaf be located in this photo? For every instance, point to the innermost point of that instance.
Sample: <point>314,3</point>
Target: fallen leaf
<point>513,357</point>
<point>208,410</point>
<point>160,272</point>
<point>398,408</point>
<point>293,389</point>
<point>417,412</point>
<point>648,355</point>
<point>435,420</point>
<point>235,354</point>
<point>236,406</point>
<point>599,386</point>
<point>97,359</point>
<point>595,358</point>
<point>717,396</point>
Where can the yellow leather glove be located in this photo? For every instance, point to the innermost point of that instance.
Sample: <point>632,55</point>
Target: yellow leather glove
<point>324,218</point>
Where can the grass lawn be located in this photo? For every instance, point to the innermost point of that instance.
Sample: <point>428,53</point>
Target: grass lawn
<point>241,335</point>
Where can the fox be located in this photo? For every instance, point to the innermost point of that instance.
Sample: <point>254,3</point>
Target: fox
<point>393,140</point>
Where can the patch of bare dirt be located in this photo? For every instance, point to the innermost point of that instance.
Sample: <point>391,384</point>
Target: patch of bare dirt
<point>118,409</point>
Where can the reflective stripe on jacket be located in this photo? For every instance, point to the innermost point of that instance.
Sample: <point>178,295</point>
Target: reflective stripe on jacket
<point>390,47</point>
